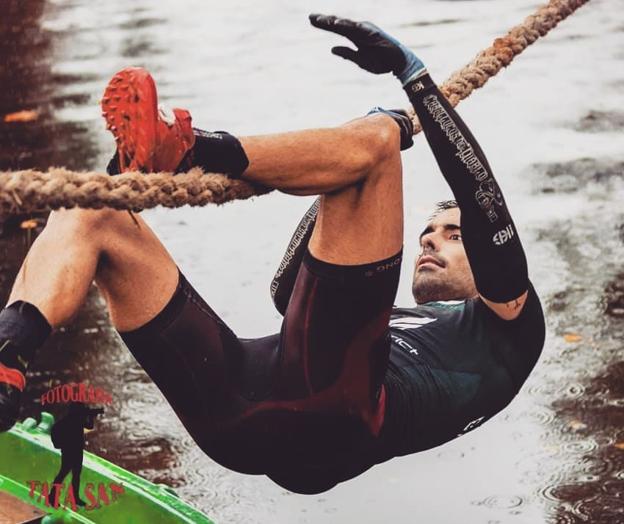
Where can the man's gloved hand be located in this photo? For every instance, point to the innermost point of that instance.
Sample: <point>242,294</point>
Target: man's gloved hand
<point>405,124</point>
<point>377,51</point>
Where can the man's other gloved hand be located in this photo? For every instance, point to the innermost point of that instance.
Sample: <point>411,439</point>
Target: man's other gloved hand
<point>377,51</point>
<point>405,124</point>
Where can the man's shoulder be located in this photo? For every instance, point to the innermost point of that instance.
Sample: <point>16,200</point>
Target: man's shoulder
<point>418,308</point>
<point>424,314</point>
<point>467,312</point>
<point>429,309</point>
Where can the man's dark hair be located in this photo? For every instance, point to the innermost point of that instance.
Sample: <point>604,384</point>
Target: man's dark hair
<point>443,205</point>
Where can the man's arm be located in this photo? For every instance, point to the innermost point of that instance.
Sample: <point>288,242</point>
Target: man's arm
<point>489,235</point>
<point>490,238</point>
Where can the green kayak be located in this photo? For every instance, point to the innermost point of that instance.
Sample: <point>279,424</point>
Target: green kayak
<point>28,459</point>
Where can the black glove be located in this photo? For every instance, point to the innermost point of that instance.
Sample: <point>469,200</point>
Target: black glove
<point>377,51</point>
<point>405,124</point>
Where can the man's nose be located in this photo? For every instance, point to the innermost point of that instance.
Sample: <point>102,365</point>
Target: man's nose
<point>428,243</point>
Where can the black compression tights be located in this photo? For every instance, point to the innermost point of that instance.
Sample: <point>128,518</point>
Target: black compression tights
<point>289,404</point>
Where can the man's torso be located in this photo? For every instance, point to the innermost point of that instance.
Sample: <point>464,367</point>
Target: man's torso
<point>453,365</point>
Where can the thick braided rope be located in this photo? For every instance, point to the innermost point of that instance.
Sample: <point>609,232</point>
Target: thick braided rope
<point>500,54</point>
<point>28,191</point>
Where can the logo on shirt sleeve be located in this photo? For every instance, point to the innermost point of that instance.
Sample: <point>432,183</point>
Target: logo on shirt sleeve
<point>410,322</point>
<point>502,236</point>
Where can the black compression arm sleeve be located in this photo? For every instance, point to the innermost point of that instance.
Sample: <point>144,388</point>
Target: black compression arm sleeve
<point>490,238</point>
<point>284,279</point>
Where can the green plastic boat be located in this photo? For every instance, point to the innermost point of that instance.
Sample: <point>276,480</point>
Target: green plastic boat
<point>26,454</point>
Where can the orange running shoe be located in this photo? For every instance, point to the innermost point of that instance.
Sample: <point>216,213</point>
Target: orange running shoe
<point>147,140</point>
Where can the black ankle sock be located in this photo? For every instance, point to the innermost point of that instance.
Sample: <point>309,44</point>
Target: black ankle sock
<point>23,329</point>
<point>219,152</point>
<point>214,152</point>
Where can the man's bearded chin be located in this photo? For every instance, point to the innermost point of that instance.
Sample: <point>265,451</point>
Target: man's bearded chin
<point>427,287</point>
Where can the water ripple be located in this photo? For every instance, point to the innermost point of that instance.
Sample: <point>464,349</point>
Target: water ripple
<point>501,501</point>
<point>580,446</point>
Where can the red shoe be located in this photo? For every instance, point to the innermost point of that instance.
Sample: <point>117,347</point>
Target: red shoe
<point>146,139</point>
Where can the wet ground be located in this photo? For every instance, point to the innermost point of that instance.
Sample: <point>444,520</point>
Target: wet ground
<point>552,126</point>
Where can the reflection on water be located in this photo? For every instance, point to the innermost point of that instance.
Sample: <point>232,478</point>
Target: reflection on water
<point>590,487</point>
<point>557,453</point>
<point>593,489</point>
<point>28,52</point>
<point>585,315</point>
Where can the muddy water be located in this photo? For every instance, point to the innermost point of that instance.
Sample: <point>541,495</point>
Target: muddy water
<point>552,128</point>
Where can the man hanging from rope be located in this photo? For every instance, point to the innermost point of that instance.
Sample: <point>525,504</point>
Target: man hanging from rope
<point>349,381</point>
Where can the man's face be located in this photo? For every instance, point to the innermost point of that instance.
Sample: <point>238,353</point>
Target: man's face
<point>442,271</point>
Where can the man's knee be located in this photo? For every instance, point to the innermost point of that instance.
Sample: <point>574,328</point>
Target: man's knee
<point>376,162</point>
<point>382,175</point>
<point>384,153</point>
<point>88,226</point>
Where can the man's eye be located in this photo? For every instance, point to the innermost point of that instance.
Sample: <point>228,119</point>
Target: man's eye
<point>455,236</point>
